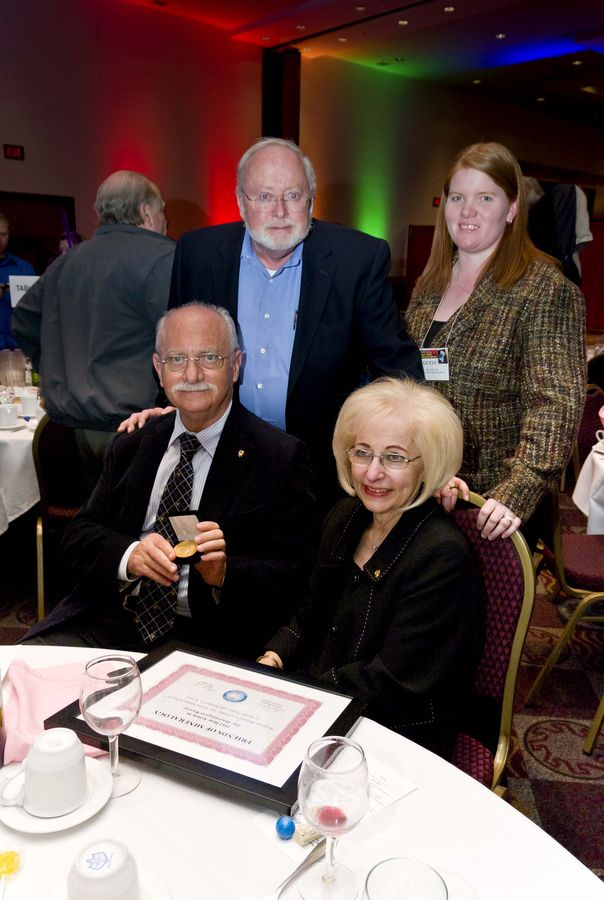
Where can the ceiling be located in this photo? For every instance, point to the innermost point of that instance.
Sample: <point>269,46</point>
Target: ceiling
<point>541,53</point>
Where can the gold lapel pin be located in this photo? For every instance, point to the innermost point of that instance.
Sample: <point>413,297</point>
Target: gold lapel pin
<point>240,453</point>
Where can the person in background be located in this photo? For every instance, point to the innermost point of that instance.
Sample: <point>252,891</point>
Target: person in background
<point>312,301</point>
<point>246,484</point>
<point>396,606</point>
<point>88,324</point>
<point>66,241</point>
<point>514,330</point>
<point>9,265</point>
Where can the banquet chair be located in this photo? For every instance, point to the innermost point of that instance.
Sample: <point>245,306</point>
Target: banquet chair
<point>62,491</point>
<point>577,561</point>
<point>589,424</point>
<point>509,578</point>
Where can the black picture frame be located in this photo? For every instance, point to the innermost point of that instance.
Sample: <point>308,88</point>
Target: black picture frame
<point>217,779</point>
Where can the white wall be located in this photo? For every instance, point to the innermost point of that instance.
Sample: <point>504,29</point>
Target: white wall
<point>90,86</point>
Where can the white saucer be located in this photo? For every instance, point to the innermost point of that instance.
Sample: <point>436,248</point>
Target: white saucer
<point>100,783</point>
<point>13,427</point>
<point>152,887</point>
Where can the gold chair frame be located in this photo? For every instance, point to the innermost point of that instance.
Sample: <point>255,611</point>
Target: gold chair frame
<point>507,706</point>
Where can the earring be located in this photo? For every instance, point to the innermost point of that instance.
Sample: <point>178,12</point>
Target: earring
<point>509,221</point>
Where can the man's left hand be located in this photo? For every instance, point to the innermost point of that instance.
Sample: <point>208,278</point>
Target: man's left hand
<point>212,546</point>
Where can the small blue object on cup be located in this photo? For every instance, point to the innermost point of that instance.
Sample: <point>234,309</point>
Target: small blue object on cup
<point>286,827</point>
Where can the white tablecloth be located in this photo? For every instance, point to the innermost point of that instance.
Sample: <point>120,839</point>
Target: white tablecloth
<point>589,490</point>
<point>208,847</point>
<point>18,482</point>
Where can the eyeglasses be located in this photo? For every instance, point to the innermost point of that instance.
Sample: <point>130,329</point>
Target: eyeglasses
<point>390,460</point>
<point>294,199</point>
<point>178,362</point>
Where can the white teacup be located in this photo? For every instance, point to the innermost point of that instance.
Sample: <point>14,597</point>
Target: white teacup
<point>55,776</point>
<point>29,405</point>
<point>104,870</point>
<point>8,414</point>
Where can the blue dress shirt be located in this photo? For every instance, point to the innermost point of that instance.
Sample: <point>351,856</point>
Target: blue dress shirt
<point>267,311</point>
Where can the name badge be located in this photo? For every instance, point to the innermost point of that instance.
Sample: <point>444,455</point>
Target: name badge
<point>435,362</point>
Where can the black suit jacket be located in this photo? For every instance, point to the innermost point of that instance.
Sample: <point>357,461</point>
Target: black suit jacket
<point>347,322</point>
<point>259,489</point>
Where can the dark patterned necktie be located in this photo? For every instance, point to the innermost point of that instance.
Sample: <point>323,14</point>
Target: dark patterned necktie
<point>155,609</point>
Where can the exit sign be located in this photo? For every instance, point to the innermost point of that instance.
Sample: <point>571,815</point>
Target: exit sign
<point>14,151</point>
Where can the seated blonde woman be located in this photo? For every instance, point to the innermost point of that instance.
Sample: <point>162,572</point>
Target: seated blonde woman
<point>396,604</point>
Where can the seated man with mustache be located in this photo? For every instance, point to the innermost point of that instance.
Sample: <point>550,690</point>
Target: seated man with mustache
<point>248,484</point>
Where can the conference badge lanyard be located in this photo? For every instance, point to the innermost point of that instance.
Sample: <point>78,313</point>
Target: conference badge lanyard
<point>435,360</point>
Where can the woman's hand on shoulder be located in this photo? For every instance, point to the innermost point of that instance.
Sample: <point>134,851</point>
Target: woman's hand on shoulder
<point>495,520</point>
<point>450,493</point>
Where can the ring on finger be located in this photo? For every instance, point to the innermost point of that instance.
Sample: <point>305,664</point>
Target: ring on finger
<point>509,518</point>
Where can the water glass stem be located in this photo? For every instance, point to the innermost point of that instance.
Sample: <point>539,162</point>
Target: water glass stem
<point>113,755</point>
<point>328,867</point>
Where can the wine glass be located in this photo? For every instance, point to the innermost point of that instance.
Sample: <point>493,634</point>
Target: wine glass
<point>405,879</point>
<point>110,699</point>
<point>333,793</point>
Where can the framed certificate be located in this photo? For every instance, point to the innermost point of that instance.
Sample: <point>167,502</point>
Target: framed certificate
<point>242,730</point>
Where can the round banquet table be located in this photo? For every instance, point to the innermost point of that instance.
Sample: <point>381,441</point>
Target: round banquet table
<point>204,845</point>
<point>18,482</point>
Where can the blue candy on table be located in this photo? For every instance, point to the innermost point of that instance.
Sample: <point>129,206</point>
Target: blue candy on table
<point>286,827</point>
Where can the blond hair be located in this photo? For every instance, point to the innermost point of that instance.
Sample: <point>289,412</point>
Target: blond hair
<point>428,417</point>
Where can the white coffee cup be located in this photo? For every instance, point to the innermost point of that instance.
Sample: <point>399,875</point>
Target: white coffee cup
<point>54,776</point>
<point>8,414</point>
<point>29,405</point>
<point>104,870</point>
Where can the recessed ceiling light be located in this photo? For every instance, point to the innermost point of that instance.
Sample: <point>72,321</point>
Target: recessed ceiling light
<point>589,89</point>
<point>300,27</point>
<point>266,37</point>
<point>360,8</point>
<point>343,40</point>
<point>403,22</point>
<point>399,59</point>
<point>540,99</point>
<point>500,36</point>
<point>577,62</point>
<point>448,9</point>
<point>476,81</point>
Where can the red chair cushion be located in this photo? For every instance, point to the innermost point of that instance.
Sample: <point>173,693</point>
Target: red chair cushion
<point>474,759</point>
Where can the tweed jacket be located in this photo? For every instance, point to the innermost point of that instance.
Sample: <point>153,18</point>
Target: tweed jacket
<point>404,633</point>
<point>516,379</point>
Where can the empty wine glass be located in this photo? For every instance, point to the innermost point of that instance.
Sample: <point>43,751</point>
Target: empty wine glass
<point>110,699</point>
<point>333,793</point>
<point>405,879</point>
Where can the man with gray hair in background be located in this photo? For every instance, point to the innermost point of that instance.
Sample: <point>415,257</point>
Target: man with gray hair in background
<point>88,324</point>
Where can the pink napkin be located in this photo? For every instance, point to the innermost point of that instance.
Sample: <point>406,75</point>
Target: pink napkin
<point>601,415</point>
<point>35,695</point>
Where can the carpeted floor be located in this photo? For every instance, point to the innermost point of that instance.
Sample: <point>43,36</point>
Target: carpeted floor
<point>549,778</point>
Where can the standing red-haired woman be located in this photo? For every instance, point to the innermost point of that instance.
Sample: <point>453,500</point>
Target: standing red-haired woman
<point>513,331</point>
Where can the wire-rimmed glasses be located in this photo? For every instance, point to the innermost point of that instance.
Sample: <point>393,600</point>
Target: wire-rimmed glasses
<point>390,459</point>
<point>207,359</point>
<point>294,200</point>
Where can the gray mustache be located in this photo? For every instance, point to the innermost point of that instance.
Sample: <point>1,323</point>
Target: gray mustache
<point>195,386</point>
